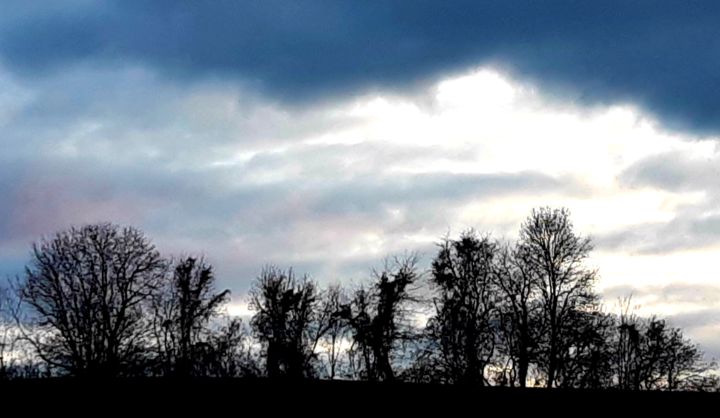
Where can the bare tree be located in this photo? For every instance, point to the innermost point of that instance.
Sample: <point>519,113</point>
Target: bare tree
<point>228,352</point>
<point>626,351</point>
<point>664,358</point>
<point>8,336</point>
<point>554,254</point>
<point>466,312</point>
<point>183,309</point>
<point>683,360</point>
<point>17,357</point>
<point>587,361</point>
<point>336,331</point>
<point>285,321</point>
<point>519,310</point>
<point>379,316</point>
<point>648,354</point>
<point>86,292</point>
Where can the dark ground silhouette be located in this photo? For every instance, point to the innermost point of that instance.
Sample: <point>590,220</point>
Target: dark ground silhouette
<point>312,397</point>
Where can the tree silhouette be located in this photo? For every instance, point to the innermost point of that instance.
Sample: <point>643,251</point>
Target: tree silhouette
<point>284,321</point>
<point>7,337</point>
<point>227,352</point>
<point>336,331</point>
<point>100,301</point>
<point>183,307</point>
<point>626,352</point>
<point>519,311</point>
<point>587,359</point>
<point>378,316</point>
<point>465,318</point>
<point>652,355</point>
<point>17,358</point>
<point>552,252</point>
<point>86,290</point>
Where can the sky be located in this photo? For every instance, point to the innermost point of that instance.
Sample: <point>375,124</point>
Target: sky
<point>326,135</point>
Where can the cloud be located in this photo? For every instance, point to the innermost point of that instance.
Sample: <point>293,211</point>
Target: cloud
<point>238,221</point>
<point>331,187</point>
<point>659,56</point>
<point>682,233</point>
<point>676,171</point>
<point>680,293</point>
<point>212,168</point>
<point>695,224</point>
<point>326,135</point>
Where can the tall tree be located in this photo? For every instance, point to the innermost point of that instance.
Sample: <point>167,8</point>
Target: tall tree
<point>466,312</point>
<point>86,292</point>
<point>183,309</point>
<point>519,310</point>
<point>626,347</point>
<point>285,321</point>
<point>555,255</point>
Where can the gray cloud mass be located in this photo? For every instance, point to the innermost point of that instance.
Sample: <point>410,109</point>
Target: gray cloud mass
<point>663,56</point>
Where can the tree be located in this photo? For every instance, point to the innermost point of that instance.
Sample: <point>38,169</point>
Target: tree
<point>335,332</point>
<point>587,361</point>
<point>86,291</point>
<point>466,313</point>
<point>227,352</point>
<point>378,316</point>
<point>554,254</point>
<point>682,361</point>
<point>183,309</point>
<point>626,347</point>
<point>285,321</point>
<point>519,312</point>
<point>653,355</point>
<point>8,336</point>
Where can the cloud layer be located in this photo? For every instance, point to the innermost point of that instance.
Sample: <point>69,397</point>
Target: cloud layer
<point>329,135</point>
<point>663,56</point>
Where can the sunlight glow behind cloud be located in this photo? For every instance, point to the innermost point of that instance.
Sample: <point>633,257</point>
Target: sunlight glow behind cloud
<point>333,187</point>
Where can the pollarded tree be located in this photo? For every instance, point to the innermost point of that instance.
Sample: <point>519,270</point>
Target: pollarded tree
<point>379,317</point>
<point>466,314</point>
<point>554,254</point>
<point>183,309</point>
<point>286,322</point>
<point>86,293</point>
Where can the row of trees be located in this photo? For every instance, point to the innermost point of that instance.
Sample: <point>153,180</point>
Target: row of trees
<point>101,301</point>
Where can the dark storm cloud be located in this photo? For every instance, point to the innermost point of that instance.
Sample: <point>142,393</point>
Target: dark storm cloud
<point>664,56</point>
